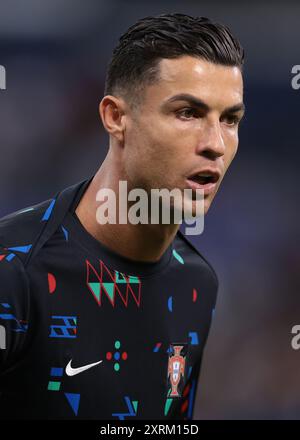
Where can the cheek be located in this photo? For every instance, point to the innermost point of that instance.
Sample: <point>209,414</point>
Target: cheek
<point>231,142</point>
<point>159,148</point>
<point>158,142</point>
<point>146,157</point>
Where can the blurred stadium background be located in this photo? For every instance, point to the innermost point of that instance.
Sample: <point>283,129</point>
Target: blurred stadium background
<point>56,53</point>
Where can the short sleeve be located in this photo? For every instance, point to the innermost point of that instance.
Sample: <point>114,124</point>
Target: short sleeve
<point>14,309</point>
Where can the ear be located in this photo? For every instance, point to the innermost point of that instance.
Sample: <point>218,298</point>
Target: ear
<point>112,114</point>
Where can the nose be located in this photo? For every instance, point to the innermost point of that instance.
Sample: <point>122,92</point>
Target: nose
<point>211,143</point>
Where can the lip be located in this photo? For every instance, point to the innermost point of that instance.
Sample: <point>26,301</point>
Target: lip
<point>208,188</point>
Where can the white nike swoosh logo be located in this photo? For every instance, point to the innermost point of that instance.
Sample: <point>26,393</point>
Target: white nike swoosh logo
<point>73,371</point>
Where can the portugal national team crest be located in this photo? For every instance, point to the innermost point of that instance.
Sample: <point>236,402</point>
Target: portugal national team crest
<point>176,368</point>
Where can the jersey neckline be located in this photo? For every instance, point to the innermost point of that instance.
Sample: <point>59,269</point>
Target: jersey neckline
<point>111,258</point>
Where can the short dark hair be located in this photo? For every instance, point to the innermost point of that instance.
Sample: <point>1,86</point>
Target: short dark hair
<point>134,62</point>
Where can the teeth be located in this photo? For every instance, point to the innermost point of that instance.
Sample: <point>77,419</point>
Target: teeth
<point>204,175</point>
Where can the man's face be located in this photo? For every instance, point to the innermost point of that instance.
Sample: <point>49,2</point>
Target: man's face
<point>172,139</point>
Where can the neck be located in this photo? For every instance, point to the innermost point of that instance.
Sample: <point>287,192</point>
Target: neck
<point>141,242</point>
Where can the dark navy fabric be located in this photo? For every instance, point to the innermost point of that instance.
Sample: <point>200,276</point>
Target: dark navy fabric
<point>86,333</point>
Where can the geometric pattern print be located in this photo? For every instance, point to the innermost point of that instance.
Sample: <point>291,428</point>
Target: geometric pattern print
<point>192,335</point>
<point>131,407</point>
<point>20,326</point>
<point>66,330</point>
<point>187,400</point>
<point>54,385</point>
<point>117,356</point>
<point>112,284</point>
<point>24,249</point>
<point>10,256</point>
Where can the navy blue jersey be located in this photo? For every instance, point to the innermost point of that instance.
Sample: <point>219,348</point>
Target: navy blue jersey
<point>86,333</point>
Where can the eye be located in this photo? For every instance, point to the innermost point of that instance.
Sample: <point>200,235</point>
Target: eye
<point>232,120</point>
<point>187,112</point>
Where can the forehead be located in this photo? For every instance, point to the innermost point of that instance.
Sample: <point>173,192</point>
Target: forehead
<point>215,84</point>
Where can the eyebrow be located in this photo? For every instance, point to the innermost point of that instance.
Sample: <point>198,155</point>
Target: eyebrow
<point>202,105</point>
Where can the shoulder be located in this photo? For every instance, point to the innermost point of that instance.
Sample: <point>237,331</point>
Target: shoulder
<point>19,233</point>
<point>24,232</point>
<point>14,308</point>
<point>183,244</point>
<point>14,285</point>
<point>20,230</point>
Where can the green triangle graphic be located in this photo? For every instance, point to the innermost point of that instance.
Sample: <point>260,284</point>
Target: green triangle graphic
<point>135,404</point>
<point>109,287</point>
<point>178,257</point>
<point>96,289</point>
<point>167,405</point>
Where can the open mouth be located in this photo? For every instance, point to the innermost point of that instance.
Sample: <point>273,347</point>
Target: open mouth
<point>205,178</point>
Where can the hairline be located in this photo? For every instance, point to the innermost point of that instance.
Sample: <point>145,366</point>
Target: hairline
<point>135,104</point>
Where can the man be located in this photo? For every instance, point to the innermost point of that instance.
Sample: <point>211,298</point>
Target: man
<point>109,321</point>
